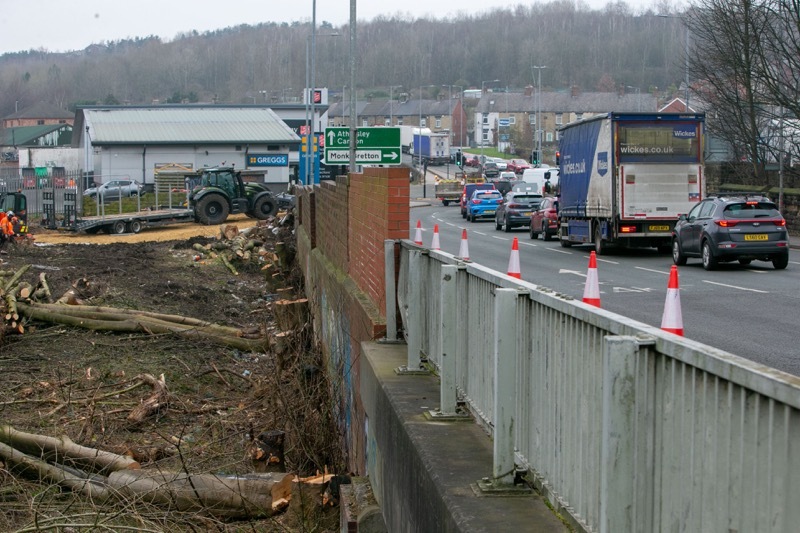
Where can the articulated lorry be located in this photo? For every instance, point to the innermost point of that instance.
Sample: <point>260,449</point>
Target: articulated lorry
<point>431,148</point>
<point>625,178</point>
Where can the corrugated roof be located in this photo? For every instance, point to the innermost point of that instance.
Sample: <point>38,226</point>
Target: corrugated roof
<point>26,135</point>
<point>186,125</point>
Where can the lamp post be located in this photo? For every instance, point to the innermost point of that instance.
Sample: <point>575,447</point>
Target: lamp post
<point>539,113</point>
<point>483,90</point>
<point>418,147</point>
<point>310,105</point>
<point>391,102</point>
<point>685,57</point>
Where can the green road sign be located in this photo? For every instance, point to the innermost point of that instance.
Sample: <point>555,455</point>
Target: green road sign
<point>374,146</point>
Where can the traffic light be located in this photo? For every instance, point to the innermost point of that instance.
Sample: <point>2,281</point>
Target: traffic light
<point>535,158</point>
<point>558,157</point>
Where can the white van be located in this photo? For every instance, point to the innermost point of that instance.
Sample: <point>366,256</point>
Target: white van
<point>537,177</point>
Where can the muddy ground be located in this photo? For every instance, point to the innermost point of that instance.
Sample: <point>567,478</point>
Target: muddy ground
<point>60,380</point>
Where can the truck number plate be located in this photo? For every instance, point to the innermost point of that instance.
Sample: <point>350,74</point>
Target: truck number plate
<point>757,237</point>
<point>659,228</point>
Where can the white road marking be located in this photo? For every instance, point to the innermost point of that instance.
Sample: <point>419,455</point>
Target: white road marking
<point>564,271</point>
<point>559,251</point>
<point>451,224</point>
<point>652,270</point>
<point>632,289</point>
<point>528,244</point>
<point>604,260</point>
<point>756,271</point>
<point>479,233</point>
<point>795,262</point>
<point>500,238</point>
<point>734,287</point>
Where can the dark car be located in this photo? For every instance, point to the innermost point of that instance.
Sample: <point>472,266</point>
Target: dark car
<point>544,220</point>
<point>472,161</point>
<point>726,228</point>
<point>483,204</point>
<point>516,210</point>
<point>469,188</point>
<point>490,170</point>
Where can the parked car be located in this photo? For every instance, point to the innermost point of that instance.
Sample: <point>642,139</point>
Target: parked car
<point>114,189</point>
<point>483,203</point>
<point>544,220</point>
<point>732,228</point>
<point>517,166</point>
<point>516,210</point>
<point>466,194</point>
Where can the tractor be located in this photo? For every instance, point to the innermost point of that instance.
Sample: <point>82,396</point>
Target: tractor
<point>220,191</point>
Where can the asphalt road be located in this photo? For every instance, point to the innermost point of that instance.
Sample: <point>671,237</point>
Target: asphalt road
<point>748,311</point>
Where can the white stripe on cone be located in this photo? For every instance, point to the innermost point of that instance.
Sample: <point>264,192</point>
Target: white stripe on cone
<point>591,291</point>
<point>435,240</point>
<point>463,251</point>
<point>513,261</point>
<point>418,235</point>
<point>672,319</point>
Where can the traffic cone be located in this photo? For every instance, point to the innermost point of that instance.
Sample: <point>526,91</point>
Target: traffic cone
<point>418,235</point>
<point>463,252</point>
<point>513,261</point>
<point>435,240</point>
<point>672,320</point>
<point>591,292</point>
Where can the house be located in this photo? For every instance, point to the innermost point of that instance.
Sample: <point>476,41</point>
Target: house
<point>34,136</point>
<point>40,114</point>
<point>136,141</point>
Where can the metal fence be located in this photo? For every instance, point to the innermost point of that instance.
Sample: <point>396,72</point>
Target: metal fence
<point>625,427</point>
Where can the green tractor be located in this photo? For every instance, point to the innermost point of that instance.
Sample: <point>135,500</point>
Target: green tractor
<point>219,191</point>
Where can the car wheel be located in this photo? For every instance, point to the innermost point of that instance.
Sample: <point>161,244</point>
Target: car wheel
<point>745,262</point>
<point>709,261</point>
<point>545,235</point>
<point>497,224</point>
<point>507,226</point>
<point>677,255</point>
<point>534,233</point>
<point>780,262</point>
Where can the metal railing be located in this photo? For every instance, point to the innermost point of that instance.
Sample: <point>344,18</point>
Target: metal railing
<point>624,426</point>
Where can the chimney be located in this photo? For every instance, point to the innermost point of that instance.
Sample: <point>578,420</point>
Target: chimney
<point>574,91</point>
<point>529,90</point>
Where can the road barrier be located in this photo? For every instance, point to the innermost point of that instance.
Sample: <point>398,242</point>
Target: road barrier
<point>622,426</point>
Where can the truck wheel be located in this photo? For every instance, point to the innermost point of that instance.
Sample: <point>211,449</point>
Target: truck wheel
<point>445,202</point>
<point>212,209</point>
<point>119,227</point>
<point>600,247</point>
<point>135,226</point>
<point>264,208</point>
<point>562,241</point>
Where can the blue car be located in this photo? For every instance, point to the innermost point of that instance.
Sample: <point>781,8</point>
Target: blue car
<point>483,204</point>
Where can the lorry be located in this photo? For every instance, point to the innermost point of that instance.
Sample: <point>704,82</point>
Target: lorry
<point>625,178</point>
<point>449,188</point>
<point>430,148</point>
<point>406,138</point>
<point>207,196</point>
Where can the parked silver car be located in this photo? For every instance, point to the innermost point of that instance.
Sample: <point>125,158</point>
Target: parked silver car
<point>114,189</point>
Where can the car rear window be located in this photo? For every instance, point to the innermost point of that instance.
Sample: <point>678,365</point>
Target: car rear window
<point>488,195</point>
<point>751,210</point>
<point>529,198</point>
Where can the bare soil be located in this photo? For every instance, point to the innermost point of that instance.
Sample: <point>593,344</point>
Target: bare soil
<point>58,380</point>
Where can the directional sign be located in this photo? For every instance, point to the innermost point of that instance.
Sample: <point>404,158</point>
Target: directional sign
<point>374,146</point>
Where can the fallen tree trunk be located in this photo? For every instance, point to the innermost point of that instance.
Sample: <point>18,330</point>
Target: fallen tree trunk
<point>157,401</point>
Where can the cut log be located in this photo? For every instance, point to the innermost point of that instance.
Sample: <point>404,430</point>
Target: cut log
<point>267,452</point>
<point>154,403</point>
<point>291,314</point>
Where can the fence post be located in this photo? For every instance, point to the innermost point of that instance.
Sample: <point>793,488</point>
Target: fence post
<point>447,340</point>
<point>617,481</point>
<point>505,366</point>
<point>414,311</point>
<point>391,290</point>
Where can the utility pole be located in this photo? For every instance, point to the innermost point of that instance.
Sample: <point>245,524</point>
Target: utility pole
<point>539,114</point>
<point>483,90</point>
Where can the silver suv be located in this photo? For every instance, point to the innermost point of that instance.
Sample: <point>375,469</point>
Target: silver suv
<point>727,228</point>
<point>114,189</point>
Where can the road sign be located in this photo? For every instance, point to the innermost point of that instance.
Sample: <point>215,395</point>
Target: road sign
<point>374,146</point>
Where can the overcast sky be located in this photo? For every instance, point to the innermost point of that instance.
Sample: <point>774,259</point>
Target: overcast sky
<point>62,25</point>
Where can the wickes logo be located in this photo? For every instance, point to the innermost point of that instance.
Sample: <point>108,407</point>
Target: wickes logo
<point>684,134</point>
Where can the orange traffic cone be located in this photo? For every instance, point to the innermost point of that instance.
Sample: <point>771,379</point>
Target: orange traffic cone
<point>513,261</point>
<point>591,292</point>
<point>672,320</point>
<point>418,235</point>
<point>463,252</point>
<point>435,240</point>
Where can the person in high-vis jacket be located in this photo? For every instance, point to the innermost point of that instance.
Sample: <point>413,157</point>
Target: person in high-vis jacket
<point>6,228</point>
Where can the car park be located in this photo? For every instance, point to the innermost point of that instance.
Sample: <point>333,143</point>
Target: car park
<point>517,166</point>
<point>483,203</point>
<point>516,210</point>
<point>544,221</point>
<point>734,227</point>
<point>466,194</point>
<point>115,189</point>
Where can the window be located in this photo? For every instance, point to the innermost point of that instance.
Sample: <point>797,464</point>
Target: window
<point>532,119</point>
<point>549,136</point>
<point>387,121</point>
<point>40,122</point>
<point>399,121</point>
<point>512,120</point>
<point>423,123</point>
<point>558,135</point>
<point>707,210</point>
<point>485,119</point>
<point>364,123</point>
<point>438,122</point>
<point>559,118</point>
<point>578,116</point>
<point>485,135</point>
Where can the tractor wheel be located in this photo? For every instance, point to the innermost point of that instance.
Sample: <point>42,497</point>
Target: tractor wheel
<point>264,208</point>
<point>212,209</point>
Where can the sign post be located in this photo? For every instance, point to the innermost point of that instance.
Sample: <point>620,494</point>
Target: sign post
<point>374,146</point>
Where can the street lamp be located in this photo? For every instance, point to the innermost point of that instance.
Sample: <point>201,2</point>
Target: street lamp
<point>418,147</point>
<point>310,105</point>
<point>539,114</point>
<point>483,90</point>
<point>391,102</point>
<point>685,57</point>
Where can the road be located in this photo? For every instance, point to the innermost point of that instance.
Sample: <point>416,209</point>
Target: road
<point>748,311</point>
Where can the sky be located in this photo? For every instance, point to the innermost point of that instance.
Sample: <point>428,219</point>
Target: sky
<point>64,25</point>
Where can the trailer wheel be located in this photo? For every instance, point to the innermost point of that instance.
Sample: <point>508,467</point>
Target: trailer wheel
<point>562,241</point>
<point>212,209</point>
<point>445,202</point>
<point>119,227</point>
<point>600,247</point>
<point>135,226</point>
<point>264,208</point>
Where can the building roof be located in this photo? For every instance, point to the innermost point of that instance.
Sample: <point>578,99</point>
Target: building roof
<point>41,110</point>
<point>182,124</point>
<point>567,102</point>
<point>381,108</point>
<point>27,135</point>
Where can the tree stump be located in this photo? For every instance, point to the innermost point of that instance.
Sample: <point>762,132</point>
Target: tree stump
<point>267,452</point>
